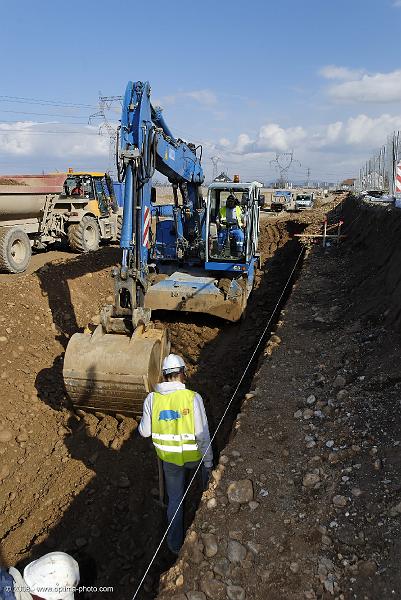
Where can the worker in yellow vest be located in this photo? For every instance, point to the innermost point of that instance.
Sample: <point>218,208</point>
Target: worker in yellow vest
<point>176,419</point>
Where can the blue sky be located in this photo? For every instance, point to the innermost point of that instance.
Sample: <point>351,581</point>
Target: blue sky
<point>246,79</point>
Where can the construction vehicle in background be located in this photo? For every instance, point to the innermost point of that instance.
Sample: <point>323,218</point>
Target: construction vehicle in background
<point>282,200</point>
<point>181,263</point>
<point>79,209</point>
<point>304,201</point>
<point>101,208</point>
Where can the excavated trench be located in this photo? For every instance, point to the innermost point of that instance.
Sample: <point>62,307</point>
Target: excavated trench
<point>217,353</point>
<point>109,516</point>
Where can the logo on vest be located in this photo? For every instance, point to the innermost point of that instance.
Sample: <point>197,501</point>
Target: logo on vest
<point>169,415</point>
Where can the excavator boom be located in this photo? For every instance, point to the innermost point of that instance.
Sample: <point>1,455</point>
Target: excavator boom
<point>113,368</point>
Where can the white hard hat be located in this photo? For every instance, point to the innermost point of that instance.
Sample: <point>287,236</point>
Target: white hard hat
<point>173,364</point>
<point>52,576</point>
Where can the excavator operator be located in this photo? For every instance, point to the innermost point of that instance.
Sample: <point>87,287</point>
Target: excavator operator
<point>230,216</point>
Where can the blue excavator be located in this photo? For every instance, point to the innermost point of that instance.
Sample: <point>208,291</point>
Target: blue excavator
<point>182,257</point>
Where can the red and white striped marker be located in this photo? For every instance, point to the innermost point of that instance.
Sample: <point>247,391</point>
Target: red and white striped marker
<point>398,178</point>
<point>146,227</point>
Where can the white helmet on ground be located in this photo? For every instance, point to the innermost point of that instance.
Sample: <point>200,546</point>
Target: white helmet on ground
<point>53,576</point>
<point>173,364</point>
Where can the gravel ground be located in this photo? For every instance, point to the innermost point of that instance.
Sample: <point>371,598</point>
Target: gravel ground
<point>305,499</point>
<point>83,483</point>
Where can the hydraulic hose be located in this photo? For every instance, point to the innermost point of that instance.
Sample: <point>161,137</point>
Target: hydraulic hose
<point>135,236</point>
<point>121,168</point>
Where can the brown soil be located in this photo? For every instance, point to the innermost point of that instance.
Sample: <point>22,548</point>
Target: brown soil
<point>86,485</point>
<point>9,181</point>
<point>83,484</point>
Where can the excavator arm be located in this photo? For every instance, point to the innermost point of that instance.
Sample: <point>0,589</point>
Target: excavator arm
<point>113,368</point>
<point>145,145</point>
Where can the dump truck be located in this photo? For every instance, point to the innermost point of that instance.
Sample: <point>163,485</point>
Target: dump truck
<point>282,200</point>
<point>78,208</point>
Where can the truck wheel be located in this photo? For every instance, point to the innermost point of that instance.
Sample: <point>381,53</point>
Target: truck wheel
<point>84,236</point>
<point>15,250</point>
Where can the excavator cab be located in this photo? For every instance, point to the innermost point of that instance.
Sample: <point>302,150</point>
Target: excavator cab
<point>233,233</point>
<point>221,283</point>
<point>228,212</point>
<point>78,186</point>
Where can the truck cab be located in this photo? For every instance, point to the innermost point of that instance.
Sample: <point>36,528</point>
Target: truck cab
<point>304,201</point>
<point>92,188</point>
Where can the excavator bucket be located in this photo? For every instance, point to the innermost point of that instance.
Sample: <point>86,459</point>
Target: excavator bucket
<point>113,373</point>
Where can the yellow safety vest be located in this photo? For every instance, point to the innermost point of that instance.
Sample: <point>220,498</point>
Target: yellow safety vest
<point>238,214</point>
<point>173,427</point>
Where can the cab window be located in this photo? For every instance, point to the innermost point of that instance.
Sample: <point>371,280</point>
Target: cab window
<point>81,183</point>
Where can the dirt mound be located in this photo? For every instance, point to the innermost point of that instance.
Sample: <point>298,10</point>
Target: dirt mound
<point>9,181</point>
<point>39,313</point>
<point>375,233</point>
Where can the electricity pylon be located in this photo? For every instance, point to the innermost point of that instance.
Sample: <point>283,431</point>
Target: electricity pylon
<point>283,162</point>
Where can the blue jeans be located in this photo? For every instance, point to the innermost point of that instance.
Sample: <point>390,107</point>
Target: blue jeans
<point>236,233</point>
<point>174,478</point>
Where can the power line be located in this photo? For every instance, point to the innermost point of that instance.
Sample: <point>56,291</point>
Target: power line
<point>20,112</point>
<point>105,103</point>
<point>30,132</point>
<point>42,102</point>
<point>34,123</point>
<point>283,162</point>
<point>308,177</point>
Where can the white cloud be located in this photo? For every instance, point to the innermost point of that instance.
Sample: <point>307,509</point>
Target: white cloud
<point>373,131</point>
<point>204,97</point>
<point>341,73</point>
<point>333,131</point>
<point>58,140</point>
<point>244,143</point>
<point>397,3</point>
<point>360,131</point>
<point>270,138</point>
<point>334,150</point>
<point>348,142</point>
<point>377,87</point>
